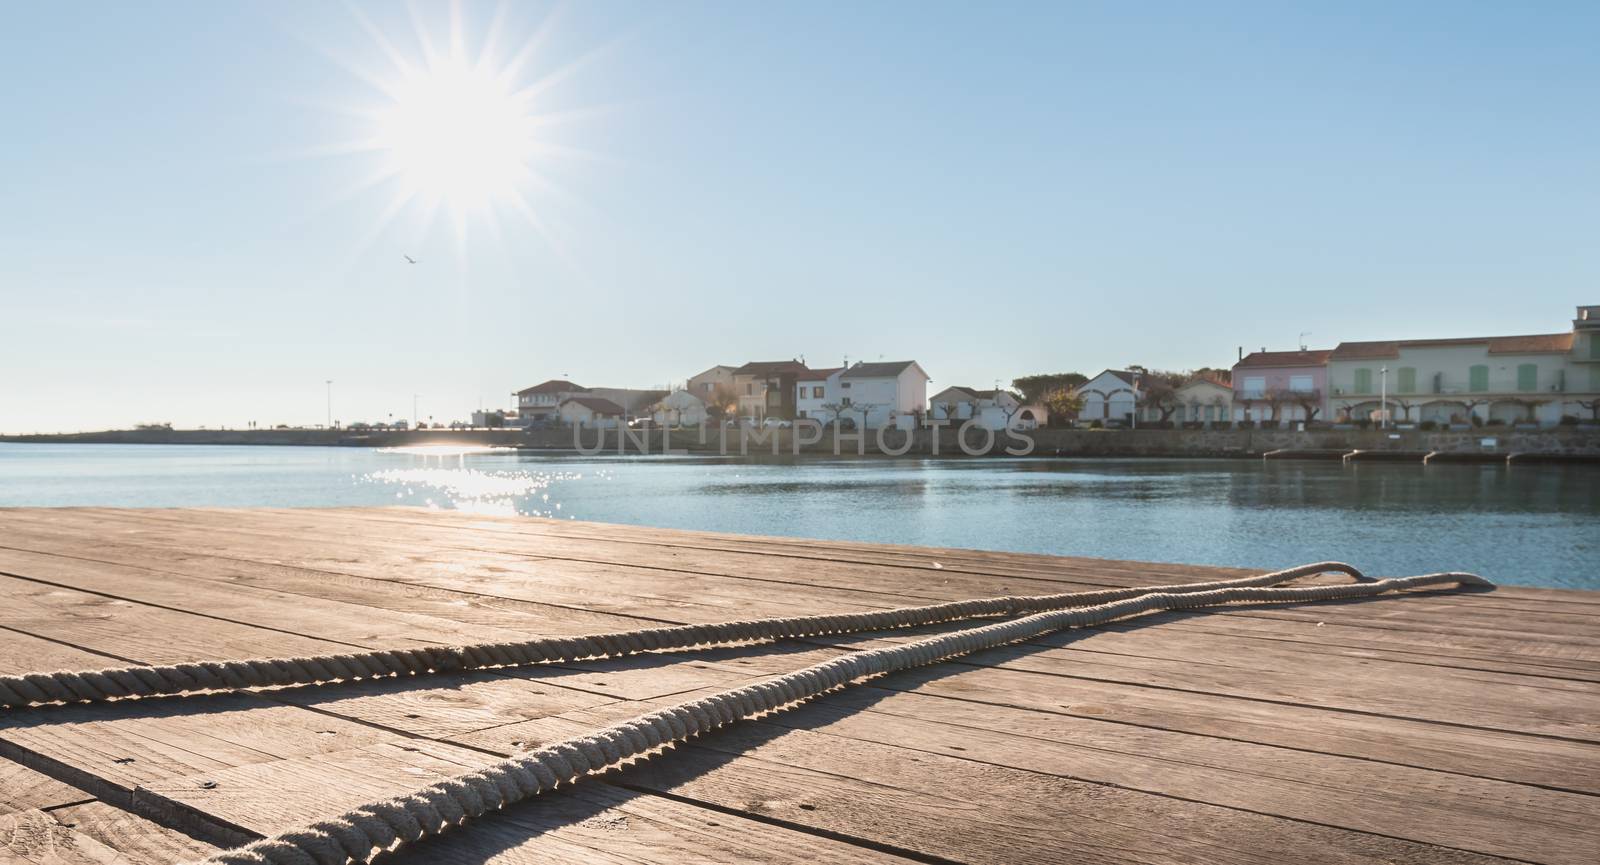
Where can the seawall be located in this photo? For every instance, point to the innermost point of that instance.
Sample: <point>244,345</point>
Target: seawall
<point>1571,442</point>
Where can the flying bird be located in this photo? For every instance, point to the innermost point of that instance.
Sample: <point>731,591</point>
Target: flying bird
<point>409,259</point>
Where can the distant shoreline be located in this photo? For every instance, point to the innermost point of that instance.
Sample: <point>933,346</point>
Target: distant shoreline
<point>1490,444</point>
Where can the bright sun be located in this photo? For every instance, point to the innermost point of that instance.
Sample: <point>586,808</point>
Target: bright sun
<point>457,134</point>
<point>462,125</point>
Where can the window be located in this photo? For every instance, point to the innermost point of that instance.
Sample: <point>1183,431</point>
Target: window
<point>1594,378</point>
<point>1527,376</point>
<point>1255,387</point>
<point>1408,380</point>
<point>749,390</point>
<point>1300,383</point>
<point>1594,347</point>
<point>1363,381</point>
<point>845,385</point>
<point>845,402</point>
<point>817,391</point>
<point>1478,378</point>
<point>707,386</point>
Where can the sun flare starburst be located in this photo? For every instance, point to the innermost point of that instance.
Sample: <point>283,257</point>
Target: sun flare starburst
<point>457,133</point>
<point>459,126</point>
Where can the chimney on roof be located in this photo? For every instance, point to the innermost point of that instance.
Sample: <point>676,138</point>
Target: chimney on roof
<point>1263,349</point>
<point>1241,352</point>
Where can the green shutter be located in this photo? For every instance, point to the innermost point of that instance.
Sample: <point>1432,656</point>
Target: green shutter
<point>1594,378</point>
<point>1363,381</point>
<point>1408,380</point>
<point>1479,382</point>
<point>1527,376</point>
<point>1594,347</point>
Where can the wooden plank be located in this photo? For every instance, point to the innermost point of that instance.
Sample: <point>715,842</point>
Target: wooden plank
<point>37,838</point>
<point>629,590</point>
<point>465,608</point>
<point>589,822</point>
<point>1513,757</point>
<point>1442,696</point>
<point>123,629</point>
<point>959,809</point>
<point>352,625</point>
<point>21,652</point>
<point>136,840</point>
<point>23,789</point>
<point>1423,806</point>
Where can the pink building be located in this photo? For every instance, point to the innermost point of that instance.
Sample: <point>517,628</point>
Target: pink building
<point>1281,386</point>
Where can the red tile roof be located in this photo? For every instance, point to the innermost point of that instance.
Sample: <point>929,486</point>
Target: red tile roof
<point>554,385</point>
<point>1537,343</point>
<point>819,374</point>
<point>1315,357</point>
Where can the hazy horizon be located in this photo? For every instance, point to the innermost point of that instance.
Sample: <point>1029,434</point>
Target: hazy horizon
<point>208,207</point>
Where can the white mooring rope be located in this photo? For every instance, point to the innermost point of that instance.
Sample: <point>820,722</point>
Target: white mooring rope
<point>360,833</point>
<point>147,681</point>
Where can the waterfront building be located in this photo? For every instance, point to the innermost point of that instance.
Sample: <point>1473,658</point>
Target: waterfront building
<point>1274,386</point>
<point>589,411</point>
<point>885,393</point>
<point>635,402</point>
<point>1529,378</point>
<point>993,409</point>
<point>816,389</point>
<point>541,401</point>
<point>1109,397</point>
<point>706,383</point>
<point>680,408</point>
<point>1204,399</point>
<point>767,388</point>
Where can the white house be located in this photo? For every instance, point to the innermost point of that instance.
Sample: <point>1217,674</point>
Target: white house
<point>541,401</point>
<point>815,389</point>
<point>590,412</point>
<point>1108,397</point>
<point>680,408</point>
<point>885,393</point>
<point>1202,399</point>
<point>994,409</point>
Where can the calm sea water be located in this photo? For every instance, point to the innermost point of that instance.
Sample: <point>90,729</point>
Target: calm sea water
<point>1534,525</point>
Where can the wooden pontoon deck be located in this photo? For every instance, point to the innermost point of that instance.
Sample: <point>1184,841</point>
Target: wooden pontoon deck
<point>1430,728</point>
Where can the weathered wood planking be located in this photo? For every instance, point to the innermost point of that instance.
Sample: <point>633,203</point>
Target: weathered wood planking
<point>1435,728</point>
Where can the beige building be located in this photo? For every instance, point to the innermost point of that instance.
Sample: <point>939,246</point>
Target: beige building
<point>706,383</point>
<point>1203,399</point>
<point>1534,378</point>
<point>766,388</point>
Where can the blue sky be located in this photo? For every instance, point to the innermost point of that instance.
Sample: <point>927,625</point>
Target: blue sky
<point>994,192</point>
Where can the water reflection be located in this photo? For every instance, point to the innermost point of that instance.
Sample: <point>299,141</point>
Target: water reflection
<point>1536,524</point>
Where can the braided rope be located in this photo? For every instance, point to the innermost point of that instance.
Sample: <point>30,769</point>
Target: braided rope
<point>145,681</point>
<point>362,832</point>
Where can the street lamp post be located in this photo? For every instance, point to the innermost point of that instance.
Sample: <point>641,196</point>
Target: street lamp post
<point>1135,394</point>
<point>1383,397</point>
<point>330,403</point>
<point>414,398</point>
